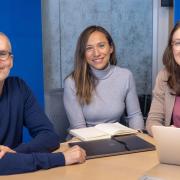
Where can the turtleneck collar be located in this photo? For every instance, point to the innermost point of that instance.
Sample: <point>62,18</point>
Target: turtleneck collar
<point>103,74</point>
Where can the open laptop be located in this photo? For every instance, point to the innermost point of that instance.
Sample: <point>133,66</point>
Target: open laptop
<point>167,144</point>
<point>114,146</point>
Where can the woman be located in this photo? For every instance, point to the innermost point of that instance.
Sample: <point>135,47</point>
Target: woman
<point>98,91</point>
<point>165,105</point>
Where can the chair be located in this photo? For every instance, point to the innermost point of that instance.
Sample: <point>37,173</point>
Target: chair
<point>145,104</point>
<point>56,112</point>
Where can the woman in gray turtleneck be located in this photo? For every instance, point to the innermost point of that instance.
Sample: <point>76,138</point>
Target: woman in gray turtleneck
<point>98,91</point>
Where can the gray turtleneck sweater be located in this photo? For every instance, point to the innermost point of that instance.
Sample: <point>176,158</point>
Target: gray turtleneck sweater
<point>114,93</point>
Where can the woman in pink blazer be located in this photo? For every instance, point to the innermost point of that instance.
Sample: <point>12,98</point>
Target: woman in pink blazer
<point>165,107</point>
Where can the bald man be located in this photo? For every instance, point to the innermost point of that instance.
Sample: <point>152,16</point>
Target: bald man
<point>19,108</point>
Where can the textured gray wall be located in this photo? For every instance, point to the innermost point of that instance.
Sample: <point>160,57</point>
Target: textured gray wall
<point>51,44</point>
<point>128,21</point>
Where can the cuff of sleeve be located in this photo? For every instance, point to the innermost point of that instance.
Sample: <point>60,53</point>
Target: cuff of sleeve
<point>57,160</point>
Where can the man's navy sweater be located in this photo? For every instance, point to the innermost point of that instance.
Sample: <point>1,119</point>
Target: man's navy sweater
<point>18,108</point>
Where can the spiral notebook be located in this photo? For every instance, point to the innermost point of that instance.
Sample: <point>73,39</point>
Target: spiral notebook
<point>114,146</point>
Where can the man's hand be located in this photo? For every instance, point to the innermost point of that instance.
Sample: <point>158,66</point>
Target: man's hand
<point>4,150</point>
<point>74,155</point>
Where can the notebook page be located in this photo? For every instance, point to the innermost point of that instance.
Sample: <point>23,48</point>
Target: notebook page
<point>114,128</point>
<point>89,133</point>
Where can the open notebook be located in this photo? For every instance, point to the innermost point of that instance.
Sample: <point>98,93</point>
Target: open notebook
<point>114,146</point>
<point>101,131</point>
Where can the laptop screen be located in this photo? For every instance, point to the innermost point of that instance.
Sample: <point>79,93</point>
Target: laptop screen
<point>167,144</point>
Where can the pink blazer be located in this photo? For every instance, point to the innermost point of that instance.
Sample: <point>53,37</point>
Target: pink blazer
<point>162,103</point>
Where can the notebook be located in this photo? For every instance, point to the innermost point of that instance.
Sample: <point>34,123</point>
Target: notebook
<point>167,144</point>
<point>114,146</point>
<point>101,131</point>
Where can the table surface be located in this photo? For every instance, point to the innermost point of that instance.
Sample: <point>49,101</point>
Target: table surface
<point>123,167</point>
<point>162,172</point>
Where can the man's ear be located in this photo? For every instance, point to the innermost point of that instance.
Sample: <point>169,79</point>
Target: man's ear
<point>11,63</point>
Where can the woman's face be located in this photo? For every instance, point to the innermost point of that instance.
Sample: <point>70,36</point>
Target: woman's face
<point>98,50</point>
<point>176,46</point>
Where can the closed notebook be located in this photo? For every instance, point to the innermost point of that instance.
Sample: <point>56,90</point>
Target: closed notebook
<point>101,131</point>
<point>114,146</point>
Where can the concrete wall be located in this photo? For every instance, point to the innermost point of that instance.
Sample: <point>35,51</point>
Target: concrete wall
<point>162,25</point>
<point>130,23</point>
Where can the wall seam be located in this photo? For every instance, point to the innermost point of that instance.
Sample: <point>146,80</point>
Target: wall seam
<point>60,60</point>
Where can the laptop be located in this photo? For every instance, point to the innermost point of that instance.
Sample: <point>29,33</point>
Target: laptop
<point>167,144</point>
<point>115,146</point>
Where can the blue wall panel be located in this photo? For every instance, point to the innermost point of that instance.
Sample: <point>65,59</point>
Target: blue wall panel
<point>176,10</point>
<point>21,21</point>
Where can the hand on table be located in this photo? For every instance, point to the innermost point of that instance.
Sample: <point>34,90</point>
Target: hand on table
<point>74,155</point>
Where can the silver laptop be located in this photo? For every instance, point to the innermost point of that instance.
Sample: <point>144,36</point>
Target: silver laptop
<point>167,144</point>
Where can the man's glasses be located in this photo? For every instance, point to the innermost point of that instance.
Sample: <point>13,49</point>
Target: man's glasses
<point>176,45</point>
<point>4,55</point>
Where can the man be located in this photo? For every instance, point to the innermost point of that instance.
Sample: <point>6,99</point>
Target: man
<point>19,108</point>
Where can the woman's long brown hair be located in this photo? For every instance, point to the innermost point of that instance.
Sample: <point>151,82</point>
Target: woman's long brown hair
<point>85,81</point>
<point>170,64</point>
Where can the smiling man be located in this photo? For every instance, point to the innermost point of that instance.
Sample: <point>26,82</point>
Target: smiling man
<point>18,108</point>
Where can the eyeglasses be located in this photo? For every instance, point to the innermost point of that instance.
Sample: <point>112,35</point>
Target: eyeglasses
<point>176,45</point>
<point>4,55</point>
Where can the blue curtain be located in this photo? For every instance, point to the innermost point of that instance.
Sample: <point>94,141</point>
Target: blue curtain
<point>21,21</point>
<point>176,10</point>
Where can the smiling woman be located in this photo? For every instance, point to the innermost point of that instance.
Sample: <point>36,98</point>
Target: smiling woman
<point>176,46</point>
<point>165,105</point>
<point>98,50</point>
<point>97,89</point>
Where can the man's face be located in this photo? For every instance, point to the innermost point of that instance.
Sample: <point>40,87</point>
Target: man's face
<point>6,60</point>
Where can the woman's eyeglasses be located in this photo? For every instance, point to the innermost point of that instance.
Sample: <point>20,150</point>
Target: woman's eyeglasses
<point>176,45</point>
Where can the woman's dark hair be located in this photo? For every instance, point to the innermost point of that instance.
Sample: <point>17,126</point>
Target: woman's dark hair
<point>170,64</point>
<point>85,81</point>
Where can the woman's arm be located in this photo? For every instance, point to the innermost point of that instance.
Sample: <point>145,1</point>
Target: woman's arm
<point>156,114</point>
<point>135,118</point>
<point>72,105</point>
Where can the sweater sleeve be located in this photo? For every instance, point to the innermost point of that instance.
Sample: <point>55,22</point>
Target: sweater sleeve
<point>44,138</point>
<point>156,114</point>
<point>15,163</point>
<point>135,118</point>
<point>72,105</point>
